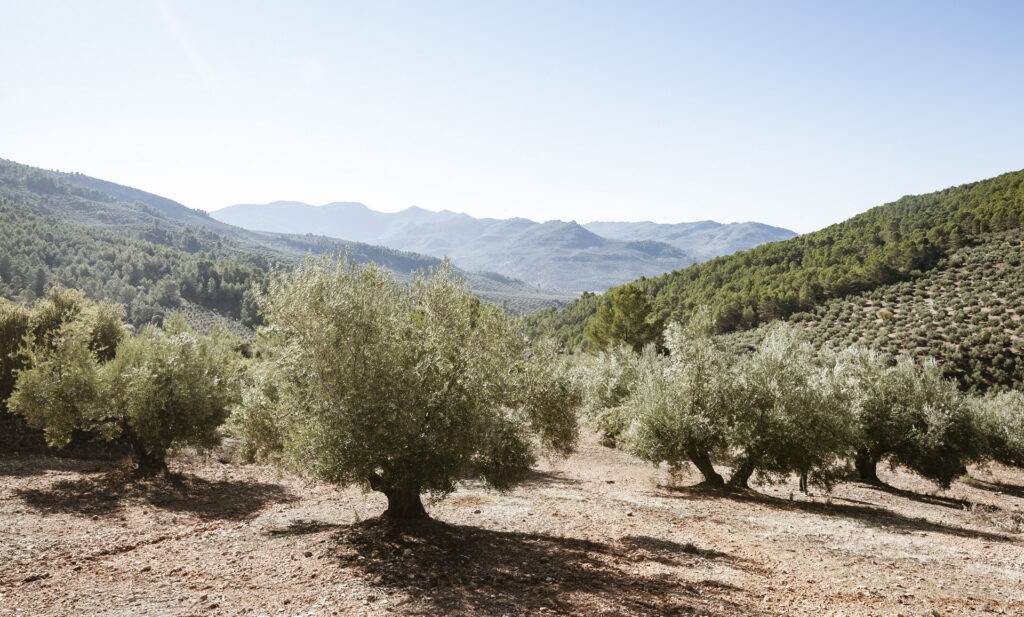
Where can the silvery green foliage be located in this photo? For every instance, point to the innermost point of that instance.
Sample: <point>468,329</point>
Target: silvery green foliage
<point>792,414</point>
<point>684,406</point>
<point>1000,419</point>
<point>163,388</point>
<point>60,391</point>
<point>911,415</point>
<point>170,387</point>
<point>608,378</point>
<point>400,388</point>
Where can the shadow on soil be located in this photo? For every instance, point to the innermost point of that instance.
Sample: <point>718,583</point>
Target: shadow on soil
<point>932,500</point>
<point>107,492</point>
<point>459,570</point>
<point>997,487</point>
<point>856,510</point>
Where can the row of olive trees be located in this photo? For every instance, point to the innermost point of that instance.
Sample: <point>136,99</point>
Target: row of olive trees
<point>358,379</point>
<point>783,409</point>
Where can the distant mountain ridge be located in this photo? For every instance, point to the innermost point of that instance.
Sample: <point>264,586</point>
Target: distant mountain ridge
<point>703,239</point>
<point>154,251</point>
<point>556,254</point>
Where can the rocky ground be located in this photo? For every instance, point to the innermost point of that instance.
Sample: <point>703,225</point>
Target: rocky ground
<point>596,534</point>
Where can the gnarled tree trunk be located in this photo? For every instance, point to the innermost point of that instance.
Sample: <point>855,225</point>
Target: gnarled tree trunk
<point>741,474</point>
<point>405,505</point>
<point>867,466</point>
<point>702,462</point>
<point>148,464</point>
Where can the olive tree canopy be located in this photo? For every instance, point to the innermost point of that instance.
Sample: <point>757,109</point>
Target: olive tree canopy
<point>401,388</point>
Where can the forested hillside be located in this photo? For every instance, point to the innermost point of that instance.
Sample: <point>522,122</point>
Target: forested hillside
<point>151,254</point>
<point>967,313</point>
<point>885,245</point>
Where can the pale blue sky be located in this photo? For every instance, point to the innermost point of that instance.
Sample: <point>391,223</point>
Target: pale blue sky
<point>794,114</point>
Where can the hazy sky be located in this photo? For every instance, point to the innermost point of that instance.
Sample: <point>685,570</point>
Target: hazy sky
<point>794,114</point>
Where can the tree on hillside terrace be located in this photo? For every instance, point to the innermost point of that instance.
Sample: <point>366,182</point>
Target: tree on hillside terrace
<point>401,389</point>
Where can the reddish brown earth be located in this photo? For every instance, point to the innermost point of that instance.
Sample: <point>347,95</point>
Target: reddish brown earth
<point>596,534</point>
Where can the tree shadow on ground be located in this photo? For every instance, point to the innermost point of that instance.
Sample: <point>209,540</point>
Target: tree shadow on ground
<point>932,500</point>
<point>459,570</point>
<point>109,492</point>
<point>997,487</point>
<point>38,464</point>
<point>867,514</point>
<point>548,478</point>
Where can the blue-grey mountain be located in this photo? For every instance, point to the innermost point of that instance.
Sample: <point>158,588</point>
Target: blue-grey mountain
<point>554,254</point>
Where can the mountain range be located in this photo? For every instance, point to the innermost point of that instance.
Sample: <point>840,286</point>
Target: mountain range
<point>551,254</point>
<point>153,254</point>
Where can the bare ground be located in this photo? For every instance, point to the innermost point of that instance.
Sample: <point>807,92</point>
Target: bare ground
<point>597,534</point>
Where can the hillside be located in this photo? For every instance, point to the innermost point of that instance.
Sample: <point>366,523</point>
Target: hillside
<point>556,254</point>
<point>702,239</point>
<point>968,313</point>
<point>151,253</point>
<point>885,245</point>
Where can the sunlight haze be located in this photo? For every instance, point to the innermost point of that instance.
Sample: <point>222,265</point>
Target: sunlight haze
<point>792,114</point>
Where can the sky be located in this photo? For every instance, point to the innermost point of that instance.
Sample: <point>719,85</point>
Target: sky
<point>790,113</point>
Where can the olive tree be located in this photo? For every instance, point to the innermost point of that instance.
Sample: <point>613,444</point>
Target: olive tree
<point>792,414</point>
<point>683,407</point>
<point>161,389</point>
<point>1000,418</point>
<point>910,414</point>
<point>14,328</point>
<point>401,388</point>
<point>608,378</point>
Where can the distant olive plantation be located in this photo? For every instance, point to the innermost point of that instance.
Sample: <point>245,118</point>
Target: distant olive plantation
<point>888,244</point>
<point>967,314</point>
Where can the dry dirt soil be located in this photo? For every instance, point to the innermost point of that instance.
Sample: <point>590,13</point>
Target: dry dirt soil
<point>597,534</point>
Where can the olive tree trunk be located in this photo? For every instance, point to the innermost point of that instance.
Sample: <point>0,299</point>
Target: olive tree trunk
<point>147,463</point>
<point>404,504</point>
<point>741,474</point>
<point>702,462</point>
<point>867,466</point>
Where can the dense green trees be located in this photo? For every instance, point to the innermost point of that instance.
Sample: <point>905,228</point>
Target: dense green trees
<point>884,245</point>
<point>627,317</point>
<point>402,389</point>
<point>148,278</point>
<point>14,327</point>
